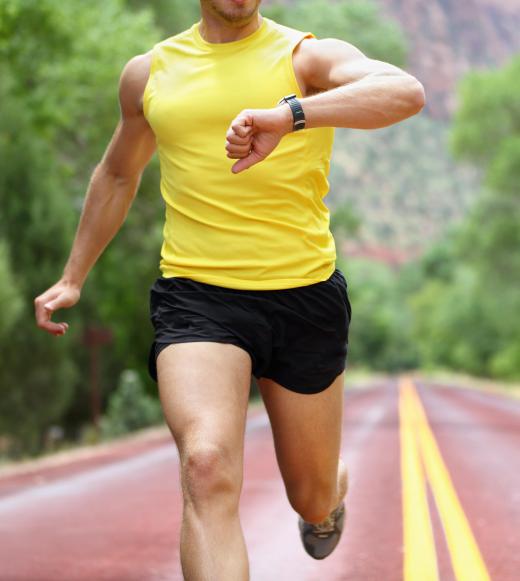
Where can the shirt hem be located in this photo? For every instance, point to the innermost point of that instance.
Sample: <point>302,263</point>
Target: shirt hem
<point>240,284</point>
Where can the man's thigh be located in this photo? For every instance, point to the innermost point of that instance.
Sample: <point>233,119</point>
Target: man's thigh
<point>306,430</point>
<point>204,391</point>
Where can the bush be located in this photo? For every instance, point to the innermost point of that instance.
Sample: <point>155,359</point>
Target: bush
<point>129,407</point>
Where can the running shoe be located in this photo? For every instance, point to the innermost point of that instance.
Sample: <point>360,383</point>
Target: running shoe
<point>319,540</point>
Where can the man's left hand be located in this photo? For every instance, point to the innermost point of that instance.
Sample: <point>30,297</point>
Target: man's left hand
<point>254,134</point>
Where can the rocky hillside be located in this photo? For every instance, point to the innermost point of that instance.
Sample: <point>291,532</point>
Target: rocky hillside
<point>449,37</point>
<point>402,181</point>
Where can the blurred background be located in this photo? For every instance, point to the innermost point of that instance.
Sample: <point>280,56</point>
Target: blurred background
<point>425,214</point>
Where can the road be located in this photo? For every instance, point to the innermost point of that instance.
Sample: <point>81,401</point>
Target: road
<point>434,495</point>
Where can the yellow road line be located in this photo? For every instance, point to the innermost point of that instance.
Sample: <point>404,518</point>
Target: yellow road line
<point>420,559</point>
<point>466,559</point>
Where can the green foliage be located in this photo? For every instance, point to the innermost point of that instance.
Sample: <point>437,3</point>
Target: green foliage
<point>488,115</point>
<point>170,16</point>
<point>467,315</point>
<point>129,407</point>
<point>60,64</point>
<point>357,22</point>
<point>37,378</point>
<point>344,221</point>
<point>490,239</point>
<point>504,363</point>
<point>380,330</point>
<point>487,132</point>
<point>9,294</point>
<point>450,324</point>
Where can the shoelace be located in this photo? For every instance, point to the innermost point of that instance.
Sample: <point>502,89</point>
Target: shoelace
<point>327,526</point>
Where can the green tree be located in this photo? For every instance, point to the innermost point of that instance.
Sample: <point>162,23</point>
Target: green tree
<point>487,132</point>
<point>380,333</point>
<point>129,407</point>
<point>357,22</point>
<point>170,16</point>
<point>9,294</point>
<point>468,313</point>
<point>60,64</point>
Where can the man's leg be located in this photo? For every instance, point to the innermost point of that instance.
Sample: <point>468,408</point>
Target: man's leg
<point>204,389</point>
<point>307,437</point>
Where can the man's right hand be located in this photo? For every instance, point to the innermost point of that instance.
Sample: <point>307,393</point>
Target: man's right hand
<point>61,295</point>
<point>111,191</point>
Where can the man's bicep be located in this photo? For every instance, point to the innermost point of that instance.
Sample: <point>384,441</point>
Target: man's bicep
<point>133,142</point>
<point>130,149</point>
<point>332,62</point>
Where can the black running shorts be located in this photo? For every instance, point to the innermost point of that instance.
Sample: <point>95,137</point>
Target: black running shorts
<point>296,336</point>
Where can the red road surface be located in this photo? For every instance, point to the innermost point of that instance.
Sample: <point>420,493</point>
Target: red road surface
<point>116,516</point>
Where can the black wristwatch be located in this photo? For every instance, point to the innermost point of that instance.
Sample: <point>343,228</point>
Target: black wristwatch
<point>297,111</point>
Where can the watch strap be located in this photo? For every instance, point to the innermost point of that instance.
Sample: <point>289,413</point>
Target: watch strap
<point>297,111</point>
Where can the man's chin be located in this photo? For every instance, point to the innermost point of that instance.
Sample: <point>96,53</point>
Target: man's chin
<point>237,14</point>
<point>239,22</point>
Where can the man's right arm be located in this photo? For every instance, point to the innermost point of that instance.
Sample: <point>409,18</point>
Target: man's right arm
<point>109,196</point>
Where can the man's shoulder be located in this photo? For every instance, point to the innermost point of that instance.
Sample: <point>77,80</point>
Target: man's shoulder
<point>133,80</point>
<point>137,68</point>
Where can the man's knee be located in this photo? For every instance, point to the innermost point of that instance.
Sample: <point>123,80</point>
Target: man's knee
<point>312,500</point>
<point>209,472</point>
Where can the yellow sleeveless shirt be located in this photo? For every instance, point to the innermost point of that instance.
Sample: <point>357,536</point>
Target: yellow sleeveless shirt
<point>263,228</point>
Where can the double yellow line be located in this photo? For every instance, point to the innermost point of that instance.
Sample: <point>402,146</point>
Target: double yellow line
<point>421,460</point>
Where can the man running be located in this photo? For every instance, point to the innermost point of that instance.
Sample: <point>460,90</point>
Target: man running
<point>242,111</point>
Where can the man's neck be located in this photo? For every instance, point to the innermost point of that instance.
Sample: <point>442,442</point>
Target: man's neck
<point>213,29</point>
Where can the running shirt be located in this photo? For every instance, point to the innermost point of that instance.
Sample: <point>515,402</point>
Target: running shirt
<point>266,227</point>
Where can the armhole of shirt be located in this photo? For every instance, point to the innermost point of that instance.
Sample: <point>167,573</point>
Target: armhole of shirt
<point>294,42</point>
<point>148,86</point>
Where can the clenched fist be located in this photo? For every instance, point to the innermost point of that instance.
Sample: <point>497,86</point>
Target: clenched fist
<point>254,134</point>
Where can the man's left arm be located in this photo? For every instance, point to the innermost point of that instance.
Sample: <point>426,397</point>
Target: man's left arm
<point>356,92</point>
<point>346,88</point>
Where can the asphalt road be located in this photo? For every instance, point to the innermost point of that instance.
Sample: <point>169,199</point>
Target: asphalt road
<point>434,495</point>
